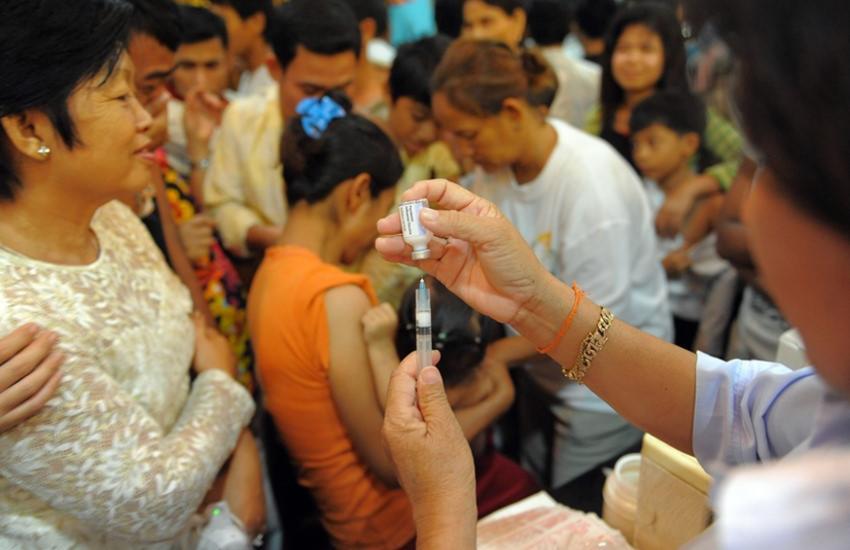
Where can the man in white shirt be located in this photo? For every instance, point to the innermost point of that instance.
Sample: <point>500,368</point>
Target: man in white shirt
<point>317,45</point>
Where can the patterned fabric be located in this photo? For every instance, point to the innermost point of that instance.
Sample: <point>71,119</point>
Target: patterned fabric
<point>125,452</point>
<point>222,287</point>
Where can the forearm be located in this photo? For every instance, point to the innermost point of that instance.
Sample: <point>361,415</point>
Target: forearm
<point>243,488</point>
<point>651,383</point>
<point>180,262</point>
<point>475,419</point>
<point>701,221</point>
<point>511,350</point>
<point>383,359</point>
<point>449,523</point>
<point>260,237</point>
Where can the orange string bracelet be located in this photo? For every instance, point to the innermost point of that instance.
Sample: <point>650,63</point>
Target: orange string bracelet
<point>567,322</point>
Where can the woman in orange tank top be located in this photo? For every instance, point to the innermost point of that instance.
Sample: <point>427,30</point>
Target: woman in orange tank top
<point>305,318</point>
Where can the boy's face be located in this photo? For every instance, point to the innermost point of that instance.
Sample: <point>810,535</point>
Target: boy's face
<point>412,125</point>
<point>659,152</point>
<point>201,65</point>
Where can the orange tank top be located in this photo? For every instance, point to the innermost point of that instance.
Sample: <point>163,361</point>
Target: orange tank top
<point>289,330</point>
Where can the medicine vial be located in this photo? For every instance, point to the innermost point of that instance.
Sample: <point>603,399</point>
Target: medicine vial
<point>412,230</point>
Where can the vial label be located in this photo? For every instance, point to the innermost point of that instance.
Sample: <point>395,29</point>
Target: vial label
<point>411,226</point>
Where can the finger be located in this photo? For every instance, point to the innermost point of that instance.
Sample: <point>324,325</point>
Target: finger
<point>26,361</point>
<point>461,225</point>
<point>33,405</point>
<point>401,392</point>
<point>433,401</point>
<point>31,384</point>
<point>390,225</point>
<point>394,249</point>
<point>444,193</point>
<point>20,338</point>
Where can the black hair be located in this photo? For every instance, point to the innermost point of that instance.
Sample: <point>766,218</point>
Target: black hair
<point>371,9</point>
<point>793,84</point>
<point>159,19</point>
<point>459,332</point>
<point>449,17</point>
<point>200,25</point>
<point>246,8</point>
<point>325,27</point>
<point>349,146</point>
<point>549,21</point>
<point>44,58</point>
<point>679,111</point>
<point>662,21</point>
<point>508,6</point>
<point>414,65</point>
<point>594,16</point>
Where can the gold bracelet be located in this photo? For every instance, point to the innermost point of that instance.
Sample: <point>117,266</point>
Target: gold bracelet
<point>590,346</point>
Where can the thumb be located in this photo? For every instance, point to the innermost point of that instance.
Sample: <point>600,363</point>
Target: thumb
<point>459,225</point>
<point>433,401</point>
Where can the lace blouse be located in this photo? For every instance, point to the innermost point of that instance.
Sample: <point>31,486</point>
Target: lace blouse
<point>127,448</point>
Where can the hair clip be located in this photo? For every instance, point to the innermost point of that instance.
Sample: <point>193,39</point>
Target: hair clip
<point>317,114</point>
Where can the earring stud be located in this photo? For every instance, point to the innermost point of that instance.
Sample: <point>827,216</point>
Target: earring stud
<point>43,151</point>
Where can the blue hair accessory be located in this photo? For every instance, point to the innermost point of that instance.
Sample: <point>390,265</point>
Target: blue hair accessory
<point>317,114</point>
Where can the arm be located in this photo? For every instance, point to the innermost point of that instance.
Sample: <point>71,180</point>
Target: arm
<point>476,418</point>
<point>433,459</point>
<point>243,485</point>
<point>698,226</point>
<point>95,453</point>
<point>724,140</point>
<point>732,239</point>
<point>224,192</point>
<point>351,381</point>
<point>379,327</point>
<point>678,204</point>
<point>180,262</point>
<point>201,117</point>
<point>511,350</point>
<point>488,264</point>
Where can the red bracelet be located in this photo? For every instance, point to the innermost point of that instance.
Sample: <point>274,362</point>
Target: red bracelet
<point>579,294</point>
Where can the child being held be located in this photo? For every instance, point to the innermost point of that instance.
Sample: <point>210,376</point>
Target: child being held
<point>479,391</point>
<point>666,131</point>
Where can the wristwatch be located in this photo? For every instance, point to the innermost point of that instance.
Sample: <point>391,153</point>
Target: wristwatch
<point>201,164</point>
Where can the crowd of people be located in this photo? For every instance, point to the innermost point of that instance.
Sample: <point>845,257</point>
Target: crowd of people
<point>194,305</point>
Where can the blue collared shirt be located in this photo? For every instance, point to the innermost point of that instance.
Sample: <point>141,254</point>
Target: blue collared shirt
<point>752,411</point>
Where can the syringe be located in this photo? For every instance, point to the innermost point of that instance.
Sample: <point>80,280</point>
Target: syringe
<point>423,326</point>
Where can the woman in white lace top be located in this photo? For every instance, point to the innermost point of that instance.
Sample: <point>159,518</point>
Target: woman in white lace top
<point>127,449</point>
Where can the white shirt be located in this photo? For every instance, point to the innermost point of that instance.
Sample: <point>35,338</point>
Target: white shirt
<point>748,412</point>
<point>255,83</point>
<point>689,292</point>
<point>578,86</point>
<point>243,186</point>
<point>587,218</point>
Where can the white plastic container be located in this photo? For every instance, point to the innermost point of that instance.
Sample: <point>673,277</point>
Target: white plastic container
<point>620,495</point>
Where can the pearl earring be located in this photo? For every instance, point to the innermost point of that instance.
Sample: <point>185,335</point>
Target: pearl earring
<point>43,151</point>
